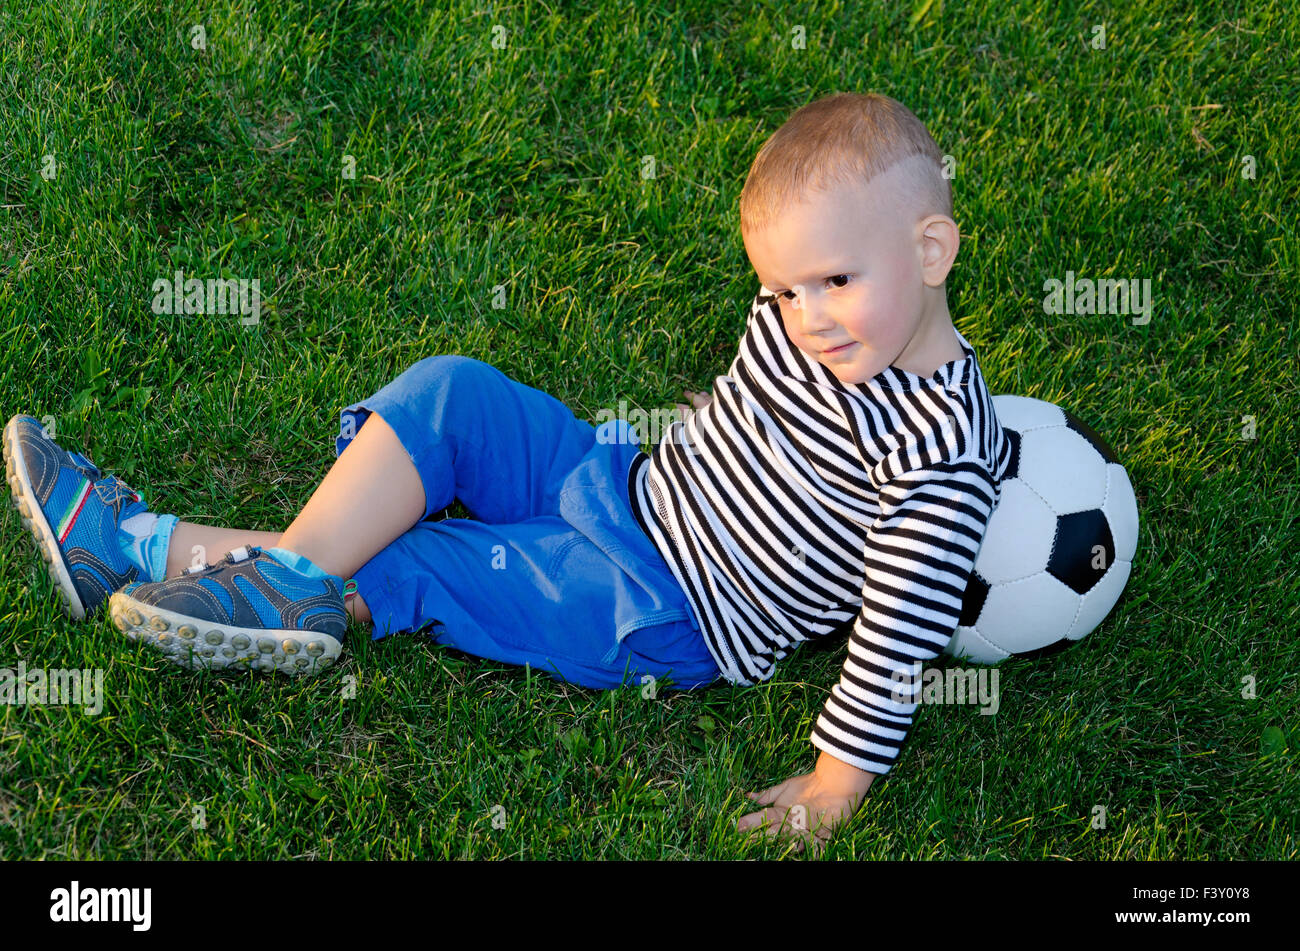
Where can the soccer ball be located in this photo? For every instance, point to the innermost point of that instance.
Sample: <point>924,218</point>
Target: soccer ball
<point>1059,545</point>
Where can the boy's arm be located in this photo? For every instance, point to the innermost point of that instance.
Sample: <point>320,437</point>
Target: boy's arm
<point>918,559</point>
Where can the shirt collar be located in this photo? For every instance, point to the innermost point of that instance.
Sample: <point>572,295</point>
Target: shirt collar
<point>953,374</point>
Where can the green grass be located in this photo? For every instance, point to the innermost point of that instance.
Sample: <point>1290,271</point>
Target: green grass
<point>478,167</point>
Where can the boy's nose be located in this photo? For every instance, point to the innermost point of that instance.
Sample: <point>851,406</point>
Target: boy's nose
<point>815,319</point>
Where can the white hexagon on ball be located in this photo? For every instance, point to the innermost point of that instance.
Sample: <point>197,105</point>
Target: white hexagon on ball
<point>1028,614</point>
<point>1018,539</point>
<point>1064,468</point>
<point>968,644</point>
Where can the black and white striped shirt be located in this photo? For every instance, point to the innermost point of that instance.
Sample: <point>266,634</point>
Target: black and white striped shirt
<point>795,506</point>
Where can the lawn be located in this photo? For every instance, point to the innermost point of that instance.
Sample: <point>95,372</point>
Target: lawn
<point>389,172</point>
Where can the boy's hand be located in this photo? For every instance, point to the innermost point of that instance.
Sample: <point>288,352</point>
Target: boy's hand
<point>698,401</point>
<point>809,807</point>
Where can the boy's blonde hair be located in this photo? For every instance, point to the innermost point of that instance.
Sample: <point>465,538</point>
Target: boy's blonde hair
<point>843,139</point>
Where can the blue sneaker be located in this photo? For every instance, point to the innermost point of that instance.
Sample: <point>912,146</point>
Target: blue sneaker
<point>255,609</point>
<point>73,511</point>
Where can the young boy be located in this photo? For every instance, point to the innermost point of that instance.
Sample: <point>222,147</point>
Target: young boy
<point>839,481</point>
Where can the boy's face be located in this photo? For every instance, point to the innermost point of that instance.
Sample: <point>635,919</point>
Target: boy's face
<point>846,266</point>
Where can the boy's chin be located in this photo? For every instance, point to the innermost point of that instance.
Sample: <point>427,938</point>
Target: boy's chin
<point>849,376</point>
<point>848,371</point>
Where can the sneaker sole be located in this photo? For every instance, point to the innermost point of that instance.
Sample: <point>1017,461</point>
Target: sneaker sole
<point>205,645</point>
<point>34,520</point>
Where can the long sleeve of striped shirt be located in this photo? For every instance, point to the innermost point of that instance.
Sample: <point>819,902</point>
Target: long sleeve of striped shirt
<point>796,507</point>
<point>918,559</point>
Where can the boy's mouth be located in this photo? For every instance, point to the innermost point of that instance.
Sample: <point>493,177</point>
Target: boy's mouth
<point>840,349</point>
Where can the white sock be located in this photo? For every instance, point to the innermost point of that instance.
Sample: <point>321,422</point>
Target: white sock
<point>139,525</point>
<point>144,540</point>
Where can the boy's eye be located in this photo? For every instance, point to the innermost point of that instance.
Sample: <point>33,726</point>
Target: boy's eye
<point>789,295</point>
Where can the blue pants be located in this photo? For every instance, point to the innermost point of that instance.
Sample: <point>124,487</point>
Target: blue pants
<point>553,570</point>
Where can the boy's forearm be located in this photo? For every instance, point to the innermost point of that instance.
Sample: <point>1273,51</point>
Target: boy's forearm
<point>839,774</point>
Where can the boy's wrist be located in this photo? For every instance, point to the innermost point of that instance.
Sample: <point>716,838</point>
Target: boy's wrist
<point>843,776</point>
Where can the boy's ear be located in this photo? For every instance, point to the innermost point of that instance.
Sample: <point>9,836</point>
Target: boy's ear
<point>940,240</point>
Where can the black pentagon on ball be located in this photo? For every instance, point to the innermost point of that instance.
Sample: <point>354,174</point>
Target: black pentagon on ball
<point>972,602</point>
<point>1084,430</point>
<point>1013,441</point>
<point>1074,560</point>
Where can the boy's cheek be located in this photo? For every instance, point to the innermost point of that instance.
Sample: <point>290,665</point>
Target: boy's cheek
<point>881,317</point>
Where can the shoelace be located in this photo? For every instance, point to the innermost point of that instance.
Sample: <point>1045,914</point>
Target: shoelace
<point>242,553</point>
<point>112,490</point>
